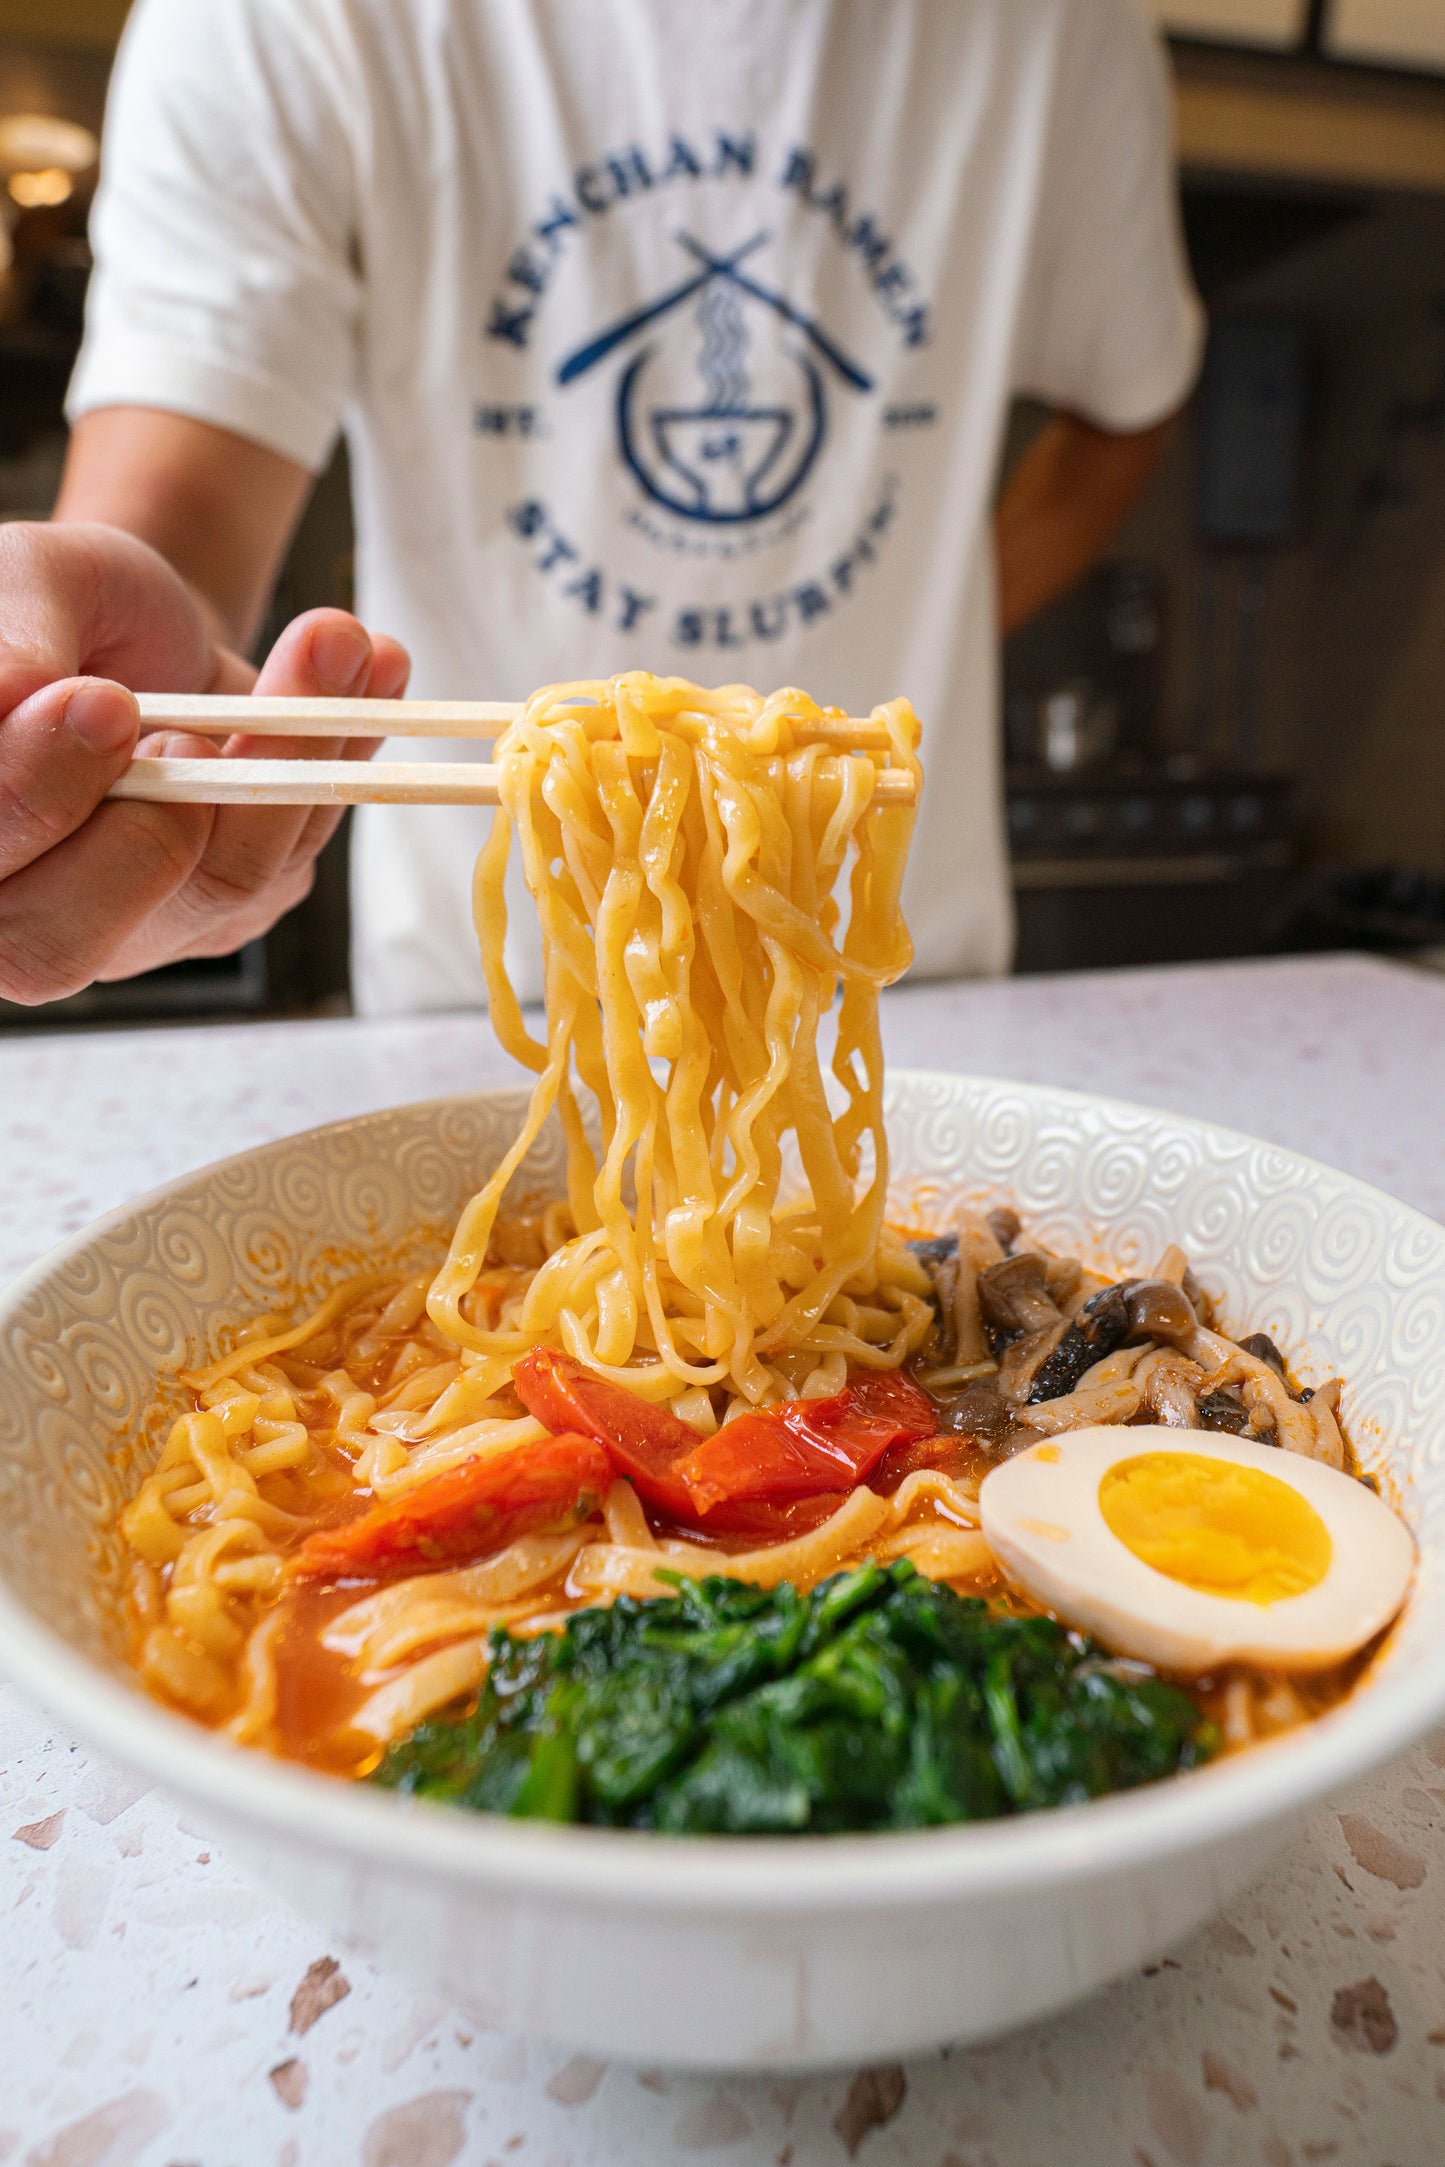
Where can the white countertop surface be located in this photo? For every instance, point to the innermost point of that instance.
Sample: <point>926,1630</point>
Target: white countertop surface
<point>157,2009</point>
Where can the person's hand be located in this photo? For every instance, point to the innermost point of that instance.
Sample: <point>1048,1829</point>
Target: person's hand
<point>94,890</point>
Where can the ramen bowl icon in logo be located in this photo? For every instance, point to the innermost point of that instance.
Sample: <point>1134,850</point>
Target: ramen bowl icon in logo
<point>740,450</point>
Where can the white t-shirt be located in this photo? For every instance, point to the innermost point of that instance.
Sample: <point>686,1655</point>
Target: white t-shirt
<point>664,336</point>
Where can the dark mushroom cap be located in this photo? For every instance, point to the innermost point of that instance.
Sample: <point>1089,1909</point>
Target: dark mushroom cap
<point>1263,1348</point>
<point>978,1410</point>
<point>1225,1410</point>
<point>1005,1225</point>
<point>1014,1296</point>
<point>1021,1364</point>
<point>1160,1310</point>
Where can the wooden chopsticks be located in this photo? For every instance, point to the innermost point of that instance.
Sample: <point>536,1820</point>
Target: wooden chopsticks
<point>220,715</point>
<point>374,782</point>
<point>309,782</point>
<point>224,714</point>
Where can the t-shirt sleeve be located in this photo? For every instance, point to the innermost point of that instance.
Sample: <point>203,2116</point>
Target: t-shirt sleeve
<point>226,283</point>
<point>1111,326</point>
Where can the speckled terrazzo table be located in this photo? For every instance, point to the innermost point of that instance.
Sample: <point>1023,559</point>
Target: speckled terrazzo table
<point>159,2010</point>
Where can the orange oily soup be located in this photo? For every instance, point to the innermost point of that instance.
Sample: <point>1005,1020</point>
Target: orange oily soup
<point>372,1404</point>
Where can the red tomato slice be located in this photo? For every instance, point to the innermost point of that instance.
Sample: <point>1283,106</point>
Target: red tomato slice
<point>799,1448</point>
<point>466,1513</point>
<point>645,1442</point>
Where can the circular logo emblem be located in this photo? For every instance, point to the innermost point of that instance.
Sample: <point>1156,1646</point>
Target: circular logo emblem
<point>723,409</point>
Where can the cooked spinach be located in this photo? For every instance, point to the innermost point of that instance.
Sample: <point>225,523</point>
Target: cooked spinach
<point>881,1700</point>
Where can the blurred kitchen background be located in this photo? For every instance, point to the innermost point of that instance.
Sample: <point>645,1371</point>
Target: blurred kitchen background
<point>1231,741</point>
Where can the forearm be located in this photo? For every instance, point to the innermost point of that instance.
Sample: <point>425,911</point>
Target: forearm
<point>219,508</point>
<point>1061,507</point>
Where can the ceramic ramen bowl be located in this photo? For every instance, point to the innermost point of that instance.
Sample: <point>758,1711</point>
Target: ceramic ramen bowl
<point>741,1952</point>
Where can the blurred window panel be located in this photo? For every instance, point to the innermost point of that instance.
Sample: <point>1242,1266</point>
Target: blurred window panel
<point>1279,23</point>
<point>1400,33</point>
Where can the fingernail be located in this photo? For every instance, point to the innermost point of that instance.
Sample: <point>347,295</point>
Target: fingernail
<point>340,656</point>
<point>102,716</point>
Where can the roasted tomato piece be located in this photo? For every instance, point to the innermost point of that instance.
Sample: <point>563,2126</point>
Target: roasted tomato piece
<point>799,1448</point>
<point>645,1442</point>
<point>466,1513</point>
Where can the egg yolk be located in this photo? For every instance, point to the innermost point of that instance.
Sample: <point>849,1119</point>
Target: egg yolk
<point>1225,1530</point>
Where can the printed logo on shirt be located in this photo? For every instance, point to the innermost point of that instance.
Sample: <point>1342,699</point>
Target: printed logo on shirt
<point>724,386</point>
<point>729,456</point>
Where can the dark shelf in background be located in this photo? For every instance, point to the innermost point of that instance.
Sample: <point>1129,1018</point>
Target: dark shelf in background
<point>1140,863</point>
<point>1146,812</point>
<point>216,988</point>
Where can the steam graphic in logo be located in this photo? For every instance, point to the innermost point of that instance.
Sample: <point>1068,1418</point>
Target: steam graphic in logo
<point>748,444</point>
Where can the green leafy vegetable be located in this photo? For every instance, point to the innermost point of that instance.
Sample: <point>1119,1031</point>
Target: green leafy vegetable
<point>881,1700</point>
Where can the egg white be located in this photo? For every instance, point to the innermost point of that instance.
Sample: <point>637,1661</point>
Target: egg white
<point>1041,1519</point>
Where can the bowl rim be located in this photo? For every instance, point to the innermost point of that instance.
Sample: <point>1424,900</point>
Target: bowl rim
<point>596,1868</point>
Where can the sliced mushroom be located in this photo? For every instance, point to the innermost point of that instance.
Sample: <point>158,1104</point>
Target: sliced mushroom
<point>1271,1405</point>
<point>1222,1410</point>
<point>1102,1324</point>
<point>1110,1402</point>
<point>1065,1365</point>
<point>1062,1275</point>
<point>1174,1266</point>
<point>1199,1301</point>
<point>1324,1408</point>
<point>1210,1349</point>
<point>1107,1392</point>
<point>1120,1365</point>
<point>978,1251</point>
<point>1107,1318</point>
<point>1004,1225</point>
<point>976,1410</point>
<point>1263,1348</point>
<point>1014,1300</point>
<point>1023,1362</point>
<point>1170,1383</point>
<point>1089,1284</point>
<point>940,1262</point>
<point>1160,1310</point>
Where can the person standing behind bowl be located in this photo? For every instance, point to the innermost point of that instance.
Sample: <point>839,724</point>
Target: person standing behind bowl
<point>679,339</point>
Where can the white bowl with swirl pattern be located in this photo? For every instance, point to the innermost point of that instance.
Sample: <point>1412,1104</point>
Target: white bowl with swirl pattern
<point>745,1952</point>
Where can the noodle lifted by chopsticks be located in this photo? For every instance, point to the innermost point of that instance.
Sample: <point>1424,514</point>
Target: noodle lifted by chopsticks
<point>683,852</point>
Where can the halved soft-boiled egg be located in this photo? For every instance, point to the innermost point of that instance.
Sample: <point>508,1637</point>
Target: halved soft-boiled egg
<point>1189,1549</point>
